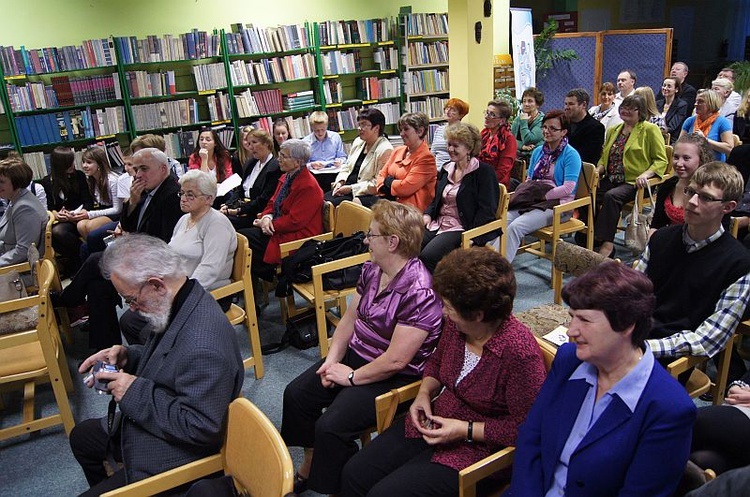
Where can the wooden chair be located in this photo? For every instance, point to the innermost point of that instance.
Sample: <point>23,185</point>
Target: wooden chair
<point>667,137</point>
<point>734,227</point>
<point>253,454</point>
<point>350,218</point>
<point>49,254</point>
<point>587,184</point>
<point>28,358</point>
<point>500,222</point>
<point>643,199</point>
<point>241,281</point>
<point>387,404</point>
<point>520,170</point>
<point>699,382</point>
<point>737,140</point>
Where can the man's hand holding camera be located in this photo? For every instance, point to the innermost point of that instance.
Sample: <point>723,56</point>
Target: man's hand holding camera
<point>117,382</point>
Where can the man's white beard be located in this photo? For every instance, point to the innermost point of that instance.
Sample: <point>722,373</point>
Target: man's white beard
<point>158,319</point>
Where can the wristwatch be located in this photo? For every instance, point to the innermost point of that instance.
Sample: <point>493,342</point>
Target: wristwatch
<point>351,378</point>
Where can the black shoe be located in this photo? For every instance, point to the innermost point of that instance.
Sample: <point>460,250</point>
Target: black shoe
<point>300,484</point>
<point>707,397</point>
<point>580,238</point>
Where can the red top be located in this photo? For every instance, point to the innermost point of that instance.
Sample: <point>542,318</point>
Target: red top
<point>195,163</point>
<point>675,214</point>
<point>499,151</point>
<point>499,391</point>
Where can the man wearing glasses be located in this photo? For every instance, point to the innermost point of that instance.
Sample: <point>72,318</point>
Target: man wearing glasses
<point>699,272</point>
<point>173,391</point>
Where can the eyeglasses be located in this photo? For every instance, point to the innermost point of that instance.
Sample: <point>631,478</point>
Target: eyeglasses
<point>491,115</point>
<point>283,156</point>
<point>689,192</point>
<point>370,235</point>
<point>132,300</point>
<point>190,196</point>
<point>551,129</point>
<point>364,125</point>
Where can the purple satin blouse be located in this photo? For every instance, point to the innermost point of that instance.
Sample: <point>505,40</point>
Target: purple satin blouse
<point>408,300</point>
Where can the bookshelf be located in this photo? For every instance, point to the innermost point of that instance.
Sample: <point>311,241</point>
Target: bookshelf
<point>273,73</point>
<point>359,66</point>
<point>424,60</point>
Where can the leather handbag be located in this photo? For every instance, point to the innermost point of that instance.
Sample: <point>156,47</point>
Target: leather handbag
<point>637,226</point>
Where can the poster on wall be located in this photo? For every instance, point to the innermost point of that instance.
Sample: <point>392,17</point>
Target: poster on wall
<point>522,38</point>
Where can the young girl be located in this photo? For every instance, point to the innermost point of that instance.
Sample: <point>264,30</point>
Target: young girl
<point>102,182</point>
<point>211,156</point>
<point>281,133</point>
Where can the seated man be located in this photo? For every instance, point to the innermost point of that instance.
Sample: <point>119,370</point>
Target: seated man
<point>699,271</point>
<point>586,133</point>
<point>173,392</point>
<point>327,148</point>
<point>154,209</point>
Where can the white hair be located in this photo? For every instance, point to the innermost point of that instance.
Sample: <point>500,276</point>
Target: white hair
<point>136,257</point>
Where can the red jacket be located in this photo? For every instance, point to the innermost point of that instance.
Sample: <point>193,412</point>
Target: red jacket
<point>301,214</point>
<point>415,176</point>
<point>499,151</point>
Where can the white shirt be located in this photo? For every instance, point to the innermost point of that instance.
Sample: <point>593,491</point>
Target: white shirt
<point>257,168</point>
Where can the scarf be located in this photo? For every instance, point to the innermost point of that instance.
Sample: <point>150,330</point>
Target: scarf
<point>705,126</point>
<point>548,158</point>
<point>284,193</point>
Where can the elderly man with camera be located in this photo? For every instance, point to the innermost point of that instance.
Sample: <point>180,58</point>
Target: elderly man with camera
<point>173,391</point>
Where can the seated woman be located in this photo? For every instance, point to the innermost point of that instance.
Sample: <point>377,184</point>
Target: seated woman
<point>211,156</point>
<point>383,341</point>
<point>489,369</point>
<point>205,239</point>
<point>369,153</point>
<point>243,155</point>
<point>673,109</point>
<point>281,133</point>
<point>24,220</point>
<point>499,148</point>
<point>654,116</point>
<point>721,434</point>
<point>466,197</point>
<point>607,108</point>
<point>67,191</point>
<point>293,212</point>
<point>103,187</point>
<point>741,125</point>
<point>527,127</point>
<point>633,152</point>
<point>410,174</point>
<point>609,420</point>
<point>707,121</point>
<point>260,178</point>
<point>455,109</point>
<point>690,152</point>
<point>555,164</point>
<point>724,88</point>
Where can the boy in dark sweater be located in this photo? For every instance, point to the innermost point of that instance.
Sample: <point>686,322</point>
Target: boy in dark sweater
<point>699,271</point>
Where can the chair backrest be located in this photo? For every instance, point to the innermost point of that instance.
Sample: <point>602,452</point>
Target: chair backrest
<point>351,217</point>
<point>329,215</point>
<point>587,181</point>
<point>737,140</point>
<point>574,260</point>
<point>502,205</point>
<point>48,252</point>
<point>669,171</point>
<point>734,226</point>
<point>255,454</point>
<point>667,137</point>
<point>548,352</point>
<point>240,266</point>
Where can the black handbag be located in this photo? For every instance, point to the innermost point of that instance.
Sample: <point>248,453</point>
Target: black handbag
<point>301,333</point>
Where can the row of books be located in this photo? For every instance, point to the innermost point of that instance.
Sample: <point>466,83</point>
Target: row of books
<point>210,76</point>
<point>347,32</point>
<point>432,106</point>
<point>219,108</point>
<point>41,165</point>
<point>90,54</point>
<point>188,46</point>
<point>299,127</point>
<point>181,144</point>
<point>299,100</point>
<point>421,53</point>
<point>427,24</point>
<point>426,81</point>
<point>333,91</point>
<point>249,39</point>
<point>346,119</point>
<point>260,102</point>
<point>375,89</point>
<point>70,125</point>
<point>143,84</point>
<point>165,114</point>
<point>274,70</point>
<point>338,62</point>
<point>64,92</point>
<point>385,58</point>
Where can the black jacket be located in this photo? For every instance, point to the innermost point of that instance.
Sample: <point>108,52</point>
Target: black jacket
<point>676,115</point>
<point>263,188</point>
<point>587,137</point>
<point>73,200</point>
<point>477,199</point>
<point>162,212</point>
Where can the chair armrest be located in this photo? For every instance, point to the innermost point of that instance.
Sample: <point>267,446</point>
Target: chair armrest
<point>469,235</point>
<point>170,479</point>
<point>387,403</point>
<point>569,206</point>
<point>329,267</point>
<point>18,304</point>
<point>288,247</point>
<point>22,267</point>
<point>480,470</point>
<point>679,366</point>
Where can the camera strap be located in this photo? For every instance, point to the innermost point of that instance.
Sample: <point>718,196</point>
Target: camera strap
<point>111,412</point>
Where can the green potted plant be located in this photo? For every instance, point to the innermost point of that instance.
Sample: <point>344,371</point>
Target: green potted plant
<point>546,56</point>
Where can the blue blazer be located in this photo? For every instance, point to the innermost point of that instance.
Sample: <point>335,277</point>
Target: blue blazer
<point>636,454</point>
